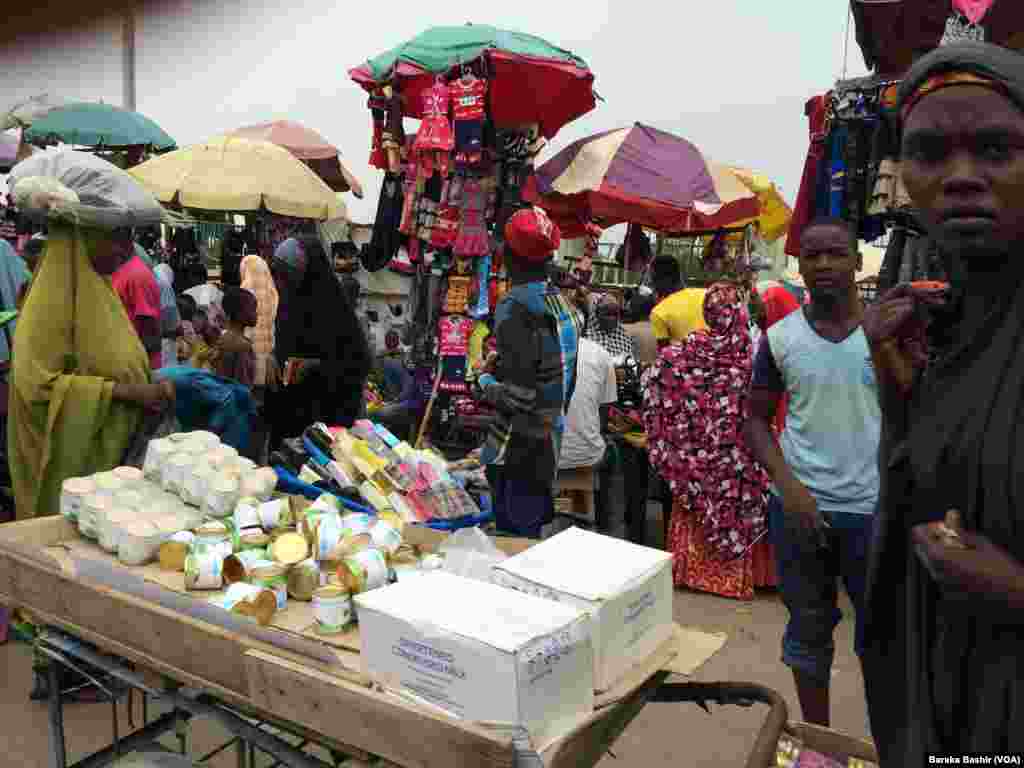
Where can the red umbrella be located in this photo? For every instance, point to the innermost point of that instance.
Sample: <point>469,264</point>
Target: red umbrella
<point>310,147</point>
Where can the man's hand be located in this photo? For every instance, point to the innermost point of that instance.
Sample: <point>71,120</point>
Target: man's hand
<point>884,319</point>
<point>802,515</point>
<point>158,396</point>
<point>969,567</point>
<point>491,364</point>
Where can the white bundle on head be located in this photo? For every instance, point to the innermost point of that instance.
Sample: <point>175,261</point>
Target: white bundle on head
<point>83,189</point>
<point>42,195</point>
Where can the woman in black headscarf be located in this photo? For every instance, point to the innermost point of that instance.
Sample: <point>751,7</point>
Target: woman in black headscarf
<point>317,324</point>
<point>945,604</point>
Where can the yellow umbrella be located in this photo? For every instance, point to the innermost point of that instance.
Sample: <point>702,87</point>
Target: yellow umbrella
<point>775,212</point>
<point>234,174</point>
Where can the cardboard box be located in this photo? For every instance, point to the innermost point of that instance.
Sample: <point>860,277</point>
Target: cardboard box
<point>625,588</point>
<point>480,652</point>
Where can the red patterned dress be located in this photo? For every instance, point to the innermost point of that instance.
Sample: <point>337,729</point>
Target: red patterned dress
<point>695,403</point>
<point>434,139</point>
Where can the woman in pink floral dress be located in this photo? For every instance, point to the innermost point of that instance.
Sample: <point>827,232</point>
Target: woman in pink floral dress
<point>694,409</point>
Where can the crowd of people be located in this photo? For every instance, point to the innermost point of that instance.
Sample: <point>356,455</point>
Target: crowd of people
<point>796,448</point>
<point>877,446</point>
<point>243,332</point>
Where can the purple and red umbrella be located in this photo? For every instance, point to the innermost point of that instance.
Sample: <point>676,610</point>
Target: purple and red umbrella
<point>643,176</point>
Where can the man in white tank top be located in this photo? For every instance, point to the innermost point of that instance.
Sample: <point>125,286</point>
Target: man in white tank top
<point>825,464</point>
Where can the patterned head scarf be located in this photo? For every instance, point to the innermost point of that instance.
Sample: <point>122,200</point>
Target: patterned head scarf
<point>977,64</point>
<point>723,309</point>
<point>695,405</point>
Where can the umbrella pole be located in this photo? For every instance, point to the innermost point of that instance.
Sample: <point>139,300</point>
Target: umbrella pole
<point>430,406</point>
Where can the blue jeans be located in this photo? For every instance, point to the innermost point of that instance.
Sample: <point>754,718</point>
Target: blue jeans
<point>809,584</point>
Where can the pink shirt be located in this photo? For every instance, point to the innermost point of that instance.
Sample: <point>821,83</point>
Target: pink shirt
<point>140,294</point>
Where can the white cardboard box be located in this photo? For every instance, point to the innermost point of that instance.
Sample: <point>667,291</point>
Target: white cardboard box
<point>625,588</point>
<point>480,652</point>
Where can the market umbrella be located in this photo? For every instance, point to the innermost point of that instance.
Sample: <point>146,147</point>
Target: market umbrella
<point>530,80</point>
<point>643,176</point>
<point>775,214</point>
<point>26,112</point>
<point>89,124</point>
<point>233,174</point>
<point>310,147</point>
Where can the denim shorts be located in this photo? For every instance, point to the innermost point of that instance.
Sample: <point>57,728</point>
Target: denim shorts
<point>520,508</point>
<point>809,584</point>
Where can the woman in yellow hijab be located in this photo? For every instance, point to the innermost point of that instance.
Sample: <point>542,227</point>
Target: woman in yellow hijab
<point>80,377</point>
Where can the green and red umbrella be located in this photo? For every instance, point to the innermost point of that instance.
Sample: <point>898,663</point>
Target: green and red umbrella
<point>530,80</point>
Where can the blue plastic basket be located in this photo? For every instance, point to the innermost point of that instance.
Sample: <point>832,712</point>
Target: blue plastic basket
<point>470,521</point>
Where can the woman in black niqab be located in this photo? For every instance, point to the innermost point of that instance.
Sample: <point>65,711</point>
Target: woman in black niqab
<point>315,322</point>
<point>944,615</point>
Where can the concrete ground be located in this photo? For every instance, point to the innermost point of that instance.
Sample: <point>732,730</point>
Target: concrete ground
<point>663,735</point>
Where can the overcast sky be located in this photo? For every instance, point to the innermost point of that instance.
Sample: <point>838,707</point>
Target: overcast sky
<point>732,76</point>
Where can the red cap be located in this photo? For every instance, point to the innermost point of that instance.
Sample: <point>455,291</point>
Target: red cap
<point>532,236</point>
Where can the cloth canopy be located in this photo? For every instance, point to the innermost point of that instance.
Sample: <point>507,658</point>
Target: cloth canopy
<point>530,80</point>
<point>640,175</point>
<point>891,33</point>
<point>310,147</point>
<point>234,174</point>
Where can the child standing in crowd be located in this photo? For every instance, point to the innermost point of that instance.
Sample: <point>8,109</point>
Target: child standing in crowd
<point>235,356</point>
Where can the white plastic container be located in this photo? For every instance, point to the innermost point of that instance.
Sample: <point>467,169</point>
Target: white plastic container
<point>213,534</point>
<point>197,483</point>
<point>259,483</point>
<point>247,515</point>
<point>245,465</point>
<point>94,509</point>
<point>178,467</point>
<point>73,493</point>
<point>131,499</point>
<point>207,440</point>
<point>327,538</point>
<point>110,529</point>
<point>130,476</point>
<point>385,537</point>
<point>274,514</point>
<point>108,483</point>
<point>332,609</point>
<point>157,453</point>
<point>204,570</point>
<point>139,542</point>
<point>221,497</point>
<point>221,455</point>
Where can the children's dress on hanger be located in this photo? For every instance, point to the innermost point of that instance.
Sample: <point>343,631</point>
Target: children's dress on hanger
<point>469,97</point>
<point>472,239</point>
<point>434,140</point>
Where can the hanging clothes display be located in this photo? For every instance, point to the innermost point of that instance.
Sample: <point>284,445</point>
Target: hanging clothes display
<point>449,185</point>
<point>852,172</point>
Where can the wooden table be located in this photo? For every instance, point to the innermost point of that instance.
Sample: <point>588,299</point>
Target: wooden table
<point>325,696</point>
